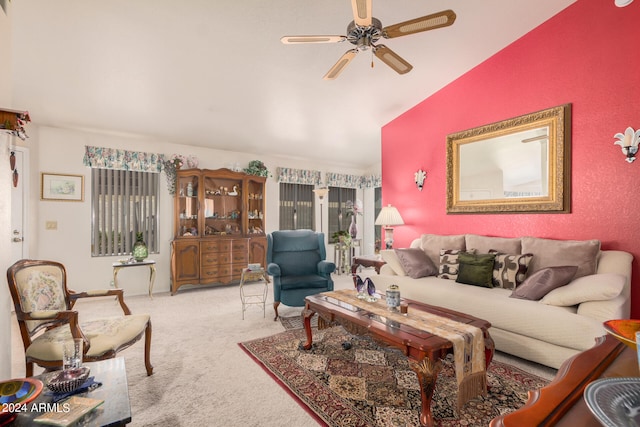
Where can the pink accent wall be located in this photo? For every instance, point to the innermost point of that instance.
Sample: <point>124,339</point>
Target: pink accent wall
<point>587,55</point>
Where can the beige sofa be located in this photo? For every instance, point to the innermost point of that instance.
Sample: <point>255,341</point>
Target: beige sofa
<point>549,330</point>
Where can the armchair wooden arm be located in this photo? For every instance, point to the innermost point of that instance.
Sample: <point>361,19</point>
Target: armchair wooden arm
<point>118,293</point>
<point>54,319</point>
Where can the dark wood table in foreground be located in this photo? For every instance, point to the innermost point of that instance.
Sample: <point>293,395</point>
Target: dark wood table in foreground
<point>561,403</point>
<point>116,409</point>
<point>423,349</point>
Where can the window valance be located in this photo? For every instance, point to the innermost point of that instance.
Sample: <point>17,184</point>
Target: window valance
<point>113,158</point>
<point>371,181</point>
<point>298,176</point>
<point>343,180</point>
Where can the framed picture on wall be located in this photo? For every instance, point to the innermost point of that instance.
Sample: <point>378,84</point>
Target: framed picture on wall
<point>59,187</point>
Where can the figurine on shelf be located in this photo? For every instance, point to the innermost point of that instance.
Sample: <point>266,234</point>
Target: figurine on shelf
<point>234,192</point>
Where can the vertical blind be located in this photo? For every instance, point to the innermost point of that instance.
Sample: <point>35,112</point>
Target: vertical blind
<point>296,207</point>
<point>123,204</point>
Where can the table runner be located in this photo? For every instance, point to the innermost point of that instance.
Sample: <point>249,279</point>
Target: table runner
<point>467,340</point>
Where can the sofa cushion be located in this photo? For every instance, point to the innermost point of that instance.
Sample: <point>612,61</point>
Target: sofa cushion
<point>416,263</point>
<point>483,244</point>
<point>448,265</point>
<point>551,253</point>
<point>595,287</point>
<point>544,281</point>
<point>431,244</point>
<point>391,258</point>
<point>510,270</point>
<point>475,269</point>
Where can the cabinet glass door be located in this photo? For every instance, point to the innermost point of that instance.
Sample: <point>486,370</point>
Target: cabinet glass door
<point>187,205</point>
<point>222,206</point>
<point>255,206</point>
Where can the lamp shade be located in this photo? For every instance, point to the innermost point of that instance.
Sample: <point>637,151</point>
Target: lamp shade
<point>389,215</point>
<point>321,192</point>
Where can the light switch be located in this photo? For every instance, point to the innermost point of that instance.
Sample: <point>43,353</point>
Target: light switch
<point>51,225</point>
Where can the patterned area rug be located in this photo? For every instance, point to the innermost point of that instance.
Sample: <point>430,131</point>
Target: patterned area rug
<point>371,385</point>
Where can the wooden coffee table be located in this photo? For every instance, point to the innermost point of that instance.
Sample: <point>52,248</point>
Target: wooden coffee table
<point>561,403</point>
<point>423,349</point>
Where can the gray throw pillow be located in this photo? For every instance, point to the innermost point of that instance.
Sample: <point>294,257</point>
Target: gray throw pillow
<point>416,263</point>
<point>475,270</point>
<point>544,281</point>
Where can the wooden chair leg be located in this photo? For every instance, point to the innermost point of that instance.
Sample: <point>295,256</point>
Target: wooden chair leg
<point>28,369</point>
<point>147,349</point>
<point>275,308</point>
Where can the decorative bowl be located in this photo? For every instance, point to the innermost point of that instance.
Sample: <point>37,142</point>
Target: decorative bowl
<point>69,380</point>
<point>624,330</point>
<point>15,394</point>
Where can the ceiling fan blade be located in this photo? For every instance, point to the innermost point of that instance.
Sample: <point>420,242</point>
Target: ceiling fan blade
<point>312,39</point>
<point>361,12</point>
<point>392,59</point>
<point>425,23</point>
<point>339,66</point>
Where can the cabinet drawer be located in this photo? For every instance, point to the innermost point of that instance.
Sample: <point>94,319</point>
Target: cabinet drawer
<point>212,259</point>
<point>240,245</point>
<point>215,273</point>
<point>215,246</point>
<point>240,258</point>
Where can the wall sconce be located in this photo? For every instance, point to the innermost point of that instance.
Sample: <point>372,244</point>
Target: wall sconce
<point>419,177</point>
<point>388,217</point>
<point>629,143</point>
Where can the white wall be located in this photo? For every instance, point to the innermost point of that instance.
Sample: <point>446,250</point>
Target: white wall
<point>62,151</point>
<point>5,197</point>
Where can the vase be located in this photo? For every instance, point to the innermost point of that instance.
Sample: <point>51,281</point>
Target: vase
<point>140,251</point>
<point>353,227</point>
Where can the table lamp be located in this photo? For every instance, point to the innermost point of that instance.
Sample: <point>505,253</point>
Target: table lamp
<point>387,218</point>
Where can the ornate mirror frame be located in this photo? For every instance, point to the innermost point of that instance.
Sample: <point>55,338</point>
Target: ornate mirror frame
<point>533,149</point>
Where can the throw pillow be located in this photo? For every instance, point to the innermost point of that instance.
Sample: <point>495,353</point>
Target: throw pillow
<point>448,268</point>
<point>552,253</point>
<point>509,270</point>
<point>596,287</point>
<point>484,244</point>
<point>416,263</point>
<point>544,281</point>
<point>432,243</point>
<point>391,258</point>
<point>475,270</point>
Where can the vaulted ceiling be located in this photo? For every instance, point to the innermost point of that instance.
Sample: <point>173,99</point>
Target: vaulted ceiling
<point>214,73</point>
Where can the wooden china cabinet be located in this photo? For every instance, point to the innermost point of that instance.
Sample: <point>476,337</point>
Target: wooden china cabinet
<point>219,218</point>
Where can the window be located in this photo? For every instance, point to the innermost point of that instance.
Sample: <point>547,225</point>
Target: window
<point>338,198</point>
<point>122,204</point>
<point>377,208</point>
<point>296,207</point>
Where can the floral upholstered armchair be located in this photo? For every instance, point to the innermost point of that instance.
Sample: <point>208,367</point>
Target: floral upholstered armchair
<point>297,261</point>
<point>43,306</point>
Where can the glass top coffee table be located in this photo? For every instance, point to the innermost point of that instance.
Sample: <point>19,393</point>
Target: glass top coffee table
<point>423,348</point>
<point>116,409</point>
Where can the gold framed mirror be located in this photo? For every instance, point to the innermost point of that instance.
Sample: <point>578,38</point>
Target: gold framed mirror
<point>521,164</point>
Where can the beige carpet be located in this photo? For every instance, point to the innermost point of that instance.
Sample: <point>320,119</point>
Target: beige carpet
<point>201,375</point>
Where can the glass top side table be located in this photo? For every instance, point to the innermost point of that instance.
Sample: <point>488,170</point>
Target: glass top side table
<point>255,293</point>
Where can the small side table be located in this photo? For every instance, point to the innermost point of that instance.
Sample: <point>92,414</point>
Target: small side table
<point>256,294</point>
<point>374,261</point>
<point>117,266</point>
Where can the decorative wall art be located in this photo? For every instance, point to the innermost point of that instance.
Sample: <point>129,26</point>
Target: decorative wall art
<point>62,188</point>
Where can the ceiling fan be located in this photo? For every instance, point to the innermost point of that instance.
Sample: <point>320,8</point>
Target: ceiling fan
<point>365,30</point>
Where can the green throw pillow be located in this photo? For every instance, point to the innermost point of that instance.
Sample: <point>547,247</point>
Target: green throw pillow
<point>476,270</point>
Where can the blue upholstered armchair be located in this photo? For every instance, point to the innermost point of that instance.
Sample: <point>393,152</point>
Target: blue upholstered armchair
<point>296,260</point>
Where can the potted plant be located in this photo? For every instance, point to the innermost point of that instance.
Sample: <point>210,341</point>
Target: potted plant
<point>341,236</point>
